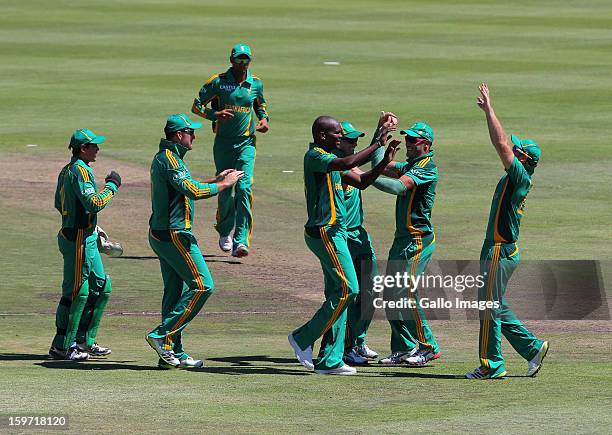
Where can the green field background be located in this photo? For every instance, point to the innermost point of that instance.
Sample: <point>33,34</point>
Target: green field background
<point>120,67</point>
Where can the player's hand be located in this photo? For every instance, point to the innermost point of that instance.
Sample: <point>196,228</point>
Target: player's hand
<point>224,115</point>
<point>484,101</point>
<point>391,150</point>
<point>114,177</point>
<point>262,125</point>
<point>389,120</point>
<point>232,177</point>
<point>222,174</point>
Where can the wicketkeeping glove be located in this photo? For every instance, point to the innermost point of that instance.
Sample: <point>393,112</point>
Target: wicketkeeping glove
<point>114,177</point>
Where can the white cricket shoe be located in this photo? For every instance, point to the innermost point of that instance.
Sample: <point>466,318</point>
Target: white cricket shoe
<point>353,358</point>
<point>536,362</point>
<point>303,356</point>
<point>364,351</point>
<point>342,370</point>
<point>95,349</point>
<point>190,363</point>
<point>225,243</point>
<point>397,358</point>
<point>166,356</point>
<point>420,358</point>
<point>240,250</point>
<point>74,354</point>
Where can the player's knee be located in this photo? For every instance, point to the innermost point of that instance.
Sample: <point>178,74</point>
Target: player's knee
<point>107,289</point>
<point>83,292</point>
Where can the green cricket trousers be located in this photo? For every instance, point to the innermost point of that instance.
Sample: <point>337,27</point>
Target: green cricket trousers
<point>329,244</point>
<point>187,284</point>
<point>85,289</point>
<point>497,263</point>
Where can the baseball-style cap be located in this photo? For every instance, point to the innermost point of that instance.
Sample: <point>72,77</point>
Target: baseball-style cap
<point>241,49</point>
<point>179,121</point>
<point>349,131</point>
<point>420,129</point>
<point>84,136</point>
<point>528,146</point>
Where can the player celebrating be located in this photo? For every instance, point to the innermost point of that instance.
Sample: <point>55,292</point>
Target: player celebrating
<point>325,235</point>
<point>85,283</point>
<point>500,254</point>
<point>233,96</point>
<point>187,281</point>
<point>414,182</point>
<point>359,313</point>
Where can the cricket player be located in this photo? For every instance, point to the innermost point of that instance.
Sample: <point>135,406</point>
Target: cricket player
<point>325,235</point>
<point>86,287</point>
<point>235,98</point>
<point>187,281</point>
<point>414,183</point>
<point>360,312</point>
<point>500,253</point>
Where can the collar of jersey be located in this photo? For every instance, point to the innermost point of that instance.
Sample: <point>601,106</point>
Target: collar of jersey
<point>230,77</point>
<point>179,149</point>
<point>429,154</point>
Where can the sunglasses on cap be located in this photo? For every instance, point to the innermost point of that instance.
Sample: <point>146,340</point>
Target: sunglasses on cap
<point>242,60</point>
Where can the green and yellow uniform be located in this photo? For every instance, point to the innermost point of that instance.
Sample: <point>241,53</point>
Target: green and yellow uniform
<point>412,248</point>
<point>86,288</point>
<point>187,281</point>
<point>360,312</point>
<point>325,235</point>
<point>498,260</point>
<point>234,146</point>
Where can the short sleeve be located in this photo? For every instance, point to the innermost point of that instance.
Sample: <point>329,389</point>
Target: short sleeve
<point>422,175</point>
<point>518,174</point>
<point>319,160</point>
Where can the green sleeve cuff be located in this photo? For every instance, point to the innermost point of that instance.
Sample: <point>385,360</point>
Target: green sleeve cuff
<point>112,186</point>
<point>210,115</point>
<point>214,189</point>
<point>377,156</point>
<point>390,185</point>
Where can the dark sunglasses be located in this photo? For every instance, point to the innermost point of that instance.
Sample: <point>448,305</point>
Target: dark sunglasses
<point>188,131</point>
<point>242,61</point>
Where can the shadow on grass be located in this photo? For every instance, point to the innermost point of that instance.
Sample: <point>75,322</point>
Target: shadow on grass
<point>22,357</point>
<point>403,374</point>
<point>247,360</point>
<point>209,258</point>
<point>94,365</point>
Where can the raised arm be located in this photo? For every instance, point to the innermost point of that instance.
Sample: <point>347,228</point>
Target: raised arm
<point>361,180</point>
<point>496,131</point>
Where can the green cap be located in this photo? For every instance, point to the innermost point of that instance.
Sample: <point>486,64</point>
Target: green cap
<point>420,129</point>
<point>241,49</point>
<point>529,147</point>
<point>179,121</point>
<point>84,136</point>
<point>349,131</point>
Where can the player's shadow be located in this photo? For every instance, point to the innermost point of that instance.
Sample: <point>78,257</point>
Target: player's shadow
<point>248,360</point>
<point>210,258</point>
<point>93,365</point>
<point>22,357</point>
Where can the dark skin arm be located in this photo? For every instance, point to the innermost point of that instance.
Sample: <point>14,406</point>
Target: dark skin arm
<point>361,180</point>
<point>357,159</point>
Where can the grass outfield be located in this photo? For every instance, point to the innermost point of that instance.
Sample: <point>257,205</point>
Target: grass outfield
<point>119,68</point>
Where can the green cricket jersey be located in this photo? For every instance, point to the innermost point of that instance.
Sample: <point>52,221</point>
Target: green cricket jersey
<point>353,206</point>
<point>173,190</point>
<point>413,210</point>
<point>324,193</point>
<point>77,198</point>
<point>508,204</point>
<point>223,92</point>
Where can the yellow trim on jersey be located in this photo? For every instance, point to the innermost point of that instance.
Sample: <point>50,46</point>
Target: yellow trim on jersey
<point>497,238</point>
<point>214,76</point>
<point>173,162</point>
<point>486,324</point>
<point>187,223</point>
<point>197,191</point>
<point>84,173</point>
<point>332,204</point>
<point>329,247</point>
<point>78,264</point>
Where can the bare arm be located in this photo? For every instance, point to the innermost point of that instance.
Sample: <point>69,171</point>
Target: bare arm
<point>361,180</point>
<point>496,131</point>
